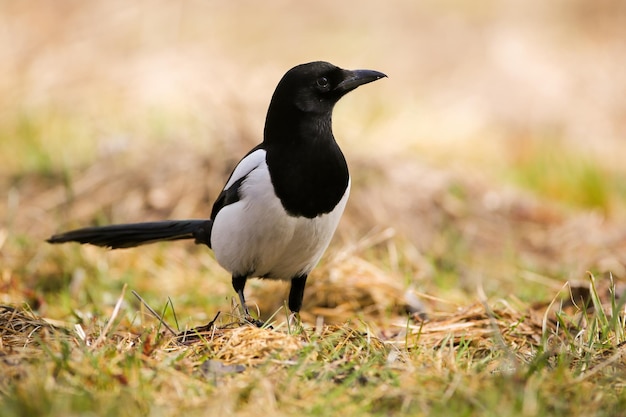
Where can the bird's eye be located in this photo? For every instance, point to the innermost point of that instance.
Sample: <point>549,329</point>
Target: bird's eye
<point>323,83</point>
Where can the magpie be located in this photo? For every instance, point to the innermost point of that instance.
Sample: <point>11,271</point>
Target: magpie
<point>282,202</point>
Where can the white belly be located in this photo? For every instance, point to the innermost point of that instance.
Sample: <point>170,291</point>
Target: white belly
<point>255,237</point>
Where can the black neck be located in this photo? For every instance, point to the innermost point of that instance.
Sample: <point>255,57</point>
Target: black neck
<point>308,170</point>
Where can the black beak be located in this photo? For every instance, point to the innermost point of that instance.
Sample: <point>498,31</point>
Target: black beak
<point>353,79</point>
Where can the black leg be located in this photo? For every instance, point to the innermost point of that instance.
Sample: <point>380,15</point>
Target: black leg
<point>296,293</point>
<point>239,283</point>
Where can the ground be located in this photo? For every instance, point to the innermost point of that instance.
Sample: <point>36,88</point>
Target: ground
<point>478,269</point>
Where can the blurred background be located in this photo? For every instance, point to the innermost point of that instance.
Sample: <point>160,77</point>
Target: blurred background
<point>491,158</point>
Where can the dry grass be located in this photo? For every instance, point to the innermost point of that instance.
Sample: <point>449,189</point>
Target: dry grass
<point>244,369</point>
<point>487,180</point>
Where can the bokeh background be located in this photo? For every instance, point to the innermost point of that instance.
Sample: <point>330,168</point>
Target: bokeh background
<point>491,158</point>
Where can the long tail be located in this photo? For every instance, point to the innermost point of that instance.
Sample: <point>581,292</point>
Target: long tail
<point>136,234</point>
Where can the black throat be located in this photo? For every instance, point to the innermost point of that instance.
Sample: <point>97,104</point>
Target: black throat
<point>308,170</point>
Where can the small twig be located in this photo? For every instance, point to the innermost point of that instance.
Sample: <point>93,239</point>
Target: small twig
<point>154,313</point>
<point>116,310</point>
<point>196,333</point>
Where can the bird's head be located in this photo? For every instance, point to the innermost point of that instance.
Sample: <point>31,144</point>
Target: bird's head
<point>315,87</point>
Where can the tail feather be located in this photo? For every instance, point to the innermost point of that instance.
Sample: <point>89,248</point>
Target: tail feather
<point>136,234</point>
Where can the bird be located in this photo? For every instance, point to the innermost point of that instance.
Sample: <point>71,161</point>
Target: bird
<point>282,203</point>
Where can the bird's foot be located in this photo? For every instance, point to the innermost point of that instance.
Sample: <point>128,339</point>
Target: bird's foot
<point>294,323</point>
<point>256,322</point>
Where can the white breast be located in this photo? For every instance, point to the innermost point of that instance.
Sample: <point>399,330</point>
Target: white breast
<point>255,237</point>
